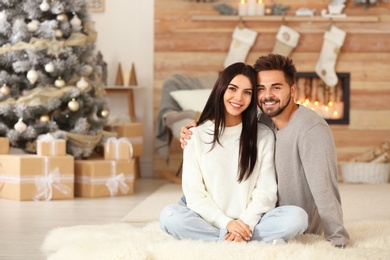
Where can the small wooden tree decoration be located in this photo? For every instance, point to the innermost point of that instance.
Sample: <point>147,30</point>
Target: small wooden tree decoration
<point>119,76</point>
<point>133,77</point>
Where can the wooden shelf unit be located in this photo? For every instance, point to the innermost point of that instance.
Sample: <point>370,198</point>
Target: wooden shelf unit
<point>277,18</point>
<point>130,96</point>
<point>130,102</point>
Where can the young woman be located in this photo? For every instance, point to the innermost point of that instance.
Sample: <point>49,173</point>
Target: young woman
<point>229,181</point>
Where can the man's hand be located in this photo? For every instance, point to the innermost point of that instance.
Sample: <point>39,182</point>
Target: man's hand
<point>238,231</point>
<point>185,133</point>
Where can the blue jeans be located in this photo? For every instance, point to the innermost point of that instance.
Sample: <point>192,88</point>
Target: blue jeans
<point>281,223</point>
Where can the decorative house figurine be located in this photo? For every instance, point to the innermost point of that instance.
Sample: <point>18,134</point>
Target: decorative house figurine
<point>335,9</point>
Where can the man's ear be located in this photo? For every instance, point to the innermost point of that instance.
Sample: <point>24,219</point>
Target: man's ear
<point>293,91</point>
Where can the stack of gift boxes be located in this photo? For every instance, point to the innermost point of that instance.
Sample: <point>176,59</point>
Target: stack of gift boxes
<point>47,175</point>
<point>51,174</point>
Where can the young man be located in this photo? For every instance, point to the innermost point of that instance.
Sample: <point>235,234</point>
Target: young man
<point>305,156</point>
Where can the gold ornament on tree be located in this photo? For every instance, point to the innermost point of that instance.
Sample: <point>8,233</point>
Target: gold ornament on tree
<point>59,83</point>
<point>44,118</point>
<point>5,90</point>
<point>62,17</point>
<point>133,76</point>
<point>104,113</point>
<point>73,105</point>
<point>119,76</point>
<point>20,126</point>
<point>33,26</point>
<point>59,33</point>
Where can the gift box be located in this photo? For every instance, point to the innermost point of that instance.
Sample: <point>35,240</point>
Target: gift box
<point>33,177</point>
<point>4,145</point>
<point>118,149</point>
<point>132,131</point>
<point>104,178</point>
<point>47,145</point>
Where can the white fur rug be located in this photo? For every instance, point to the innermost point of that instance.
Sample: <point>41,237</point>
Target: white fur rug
<point>369,240</point>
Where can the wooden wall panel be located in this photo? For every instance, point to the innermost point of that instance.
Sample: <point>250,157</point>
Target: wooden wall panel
<point>198,48</point>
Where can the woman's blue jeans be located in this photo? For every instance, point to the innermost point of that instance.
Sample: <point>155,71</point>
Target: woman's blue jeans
<point>282,223</point>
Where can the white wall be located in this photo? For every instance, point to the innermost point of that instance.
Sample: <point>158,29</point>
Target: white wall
<point>126,35</point>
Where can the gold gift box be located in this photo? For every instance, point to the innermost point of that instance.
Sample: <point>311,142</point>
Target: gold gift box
<point>51,148</point>
<point>118,149</point>
<point>93,178</point>
<point>132,131</point>
<point>4,145</point>
<point>28,177</point>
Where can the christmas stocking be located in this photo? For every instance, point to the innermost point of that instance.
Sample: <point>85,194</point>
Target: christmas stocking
<point>286,41</point>
<point>243,39</point>
<point>325,68</point>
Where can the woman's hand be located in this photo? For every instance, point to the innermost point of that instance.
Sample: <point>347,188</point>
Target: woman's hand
<point>238,231</point>
<point>234,238</point>
<point>185,133</point>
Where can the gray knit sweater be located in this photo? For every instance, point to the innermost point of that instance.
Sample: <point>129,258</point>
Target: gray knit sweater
<point>306,166</point>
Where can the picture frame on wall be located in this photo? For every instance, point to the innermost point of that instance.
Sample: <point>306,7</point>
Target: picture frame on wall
<point>332,103</point>
<point>95,6</point>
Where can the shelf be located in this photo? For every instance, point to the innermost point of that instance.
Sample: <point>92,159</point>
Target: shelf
<point>130,96</point>
<point>122,87</point>
<point>276,18</point>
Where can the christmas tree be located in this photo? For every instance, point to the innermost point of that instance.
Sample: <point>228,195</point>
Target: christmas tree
<point>51,76</point>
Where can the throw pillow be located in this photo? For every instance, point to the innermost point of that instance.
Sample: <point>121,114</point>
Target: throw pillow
<point>191,99</point>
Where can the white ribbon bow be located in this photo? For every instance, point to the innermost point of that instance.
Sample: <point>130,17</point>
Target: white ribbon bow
<point>49,138</point>
<point>47,182</point>
<point>115,141</point>
<point>117,182</point>
<point>46,138</point>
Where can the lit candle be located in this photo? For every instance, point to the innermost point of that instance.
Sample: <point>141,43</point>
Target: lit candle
<point>260,8</point>
<point>252,7</point>
<point>242,8</point>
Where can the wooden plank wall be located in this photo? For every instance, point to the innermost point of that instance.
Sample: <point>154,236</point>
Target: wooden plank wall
<point>198,48</point>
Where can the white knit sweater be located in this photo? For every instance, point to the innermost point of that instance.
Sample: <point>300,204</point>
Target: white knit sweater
<point>210,177</point>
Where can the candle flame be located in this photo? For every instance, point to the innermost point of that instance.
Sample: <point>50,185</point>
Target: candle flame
<point>260,1</point>
<point>335,113</point>
<point>242,1</point>
<point>330,103</point>
<point>307,101</point>
<point>316,103</point>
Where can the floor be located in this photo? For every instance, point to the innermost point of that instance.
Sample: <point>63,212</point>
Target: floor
<point>24,224</point>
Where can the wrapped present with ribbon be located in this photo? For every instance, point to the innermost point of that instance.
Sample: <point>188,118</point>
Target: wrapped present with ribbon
<point>118,149</point>
<point>32,177</point>
<point>48,145</point>
<point>104,178</point>
<point>133,131</point>
<point>4,145</point>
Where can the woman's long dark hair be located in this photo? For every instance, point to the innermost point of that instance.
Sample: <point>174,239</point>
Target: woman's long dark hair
<point>215,110</point>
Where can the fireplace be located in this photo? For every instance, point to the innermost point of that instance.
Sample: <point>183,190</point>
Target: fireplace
<point>332,103</point>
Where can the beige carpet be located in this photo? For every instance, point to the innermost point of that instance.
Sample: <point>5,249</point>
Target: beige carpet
<point>366,215</point>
